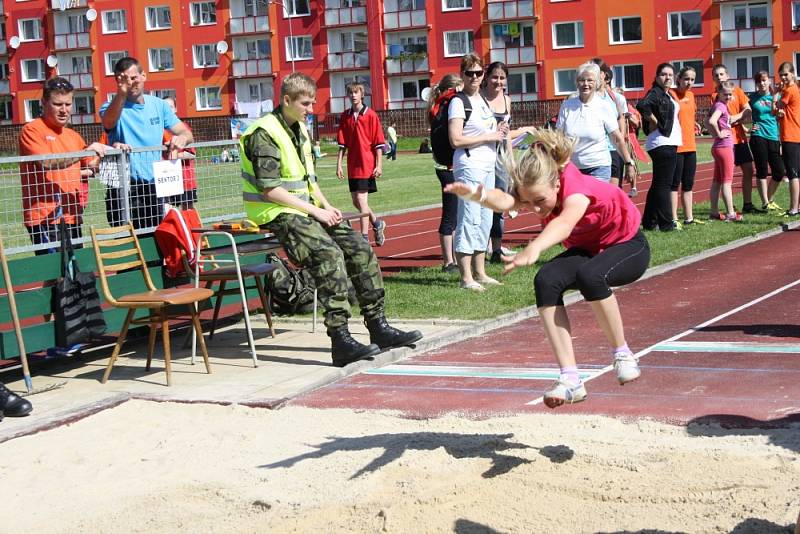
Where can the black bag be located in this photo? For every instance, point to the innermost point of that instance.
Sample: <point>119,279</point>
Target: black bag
<point>290,291</point>
<point>76,304</point>
<point>440,137</point>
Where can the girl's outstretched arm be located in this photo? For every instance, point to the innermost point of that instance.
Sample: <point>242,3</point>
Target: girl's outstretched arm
<point>494,199</point>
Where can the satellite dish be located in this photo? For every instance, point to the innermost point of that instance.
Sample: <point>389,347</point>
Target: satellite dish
<point>425,94</point>
<point>91,15</point>
<point>14,42</point>
<point>52,61</point>
<point>222,47</point>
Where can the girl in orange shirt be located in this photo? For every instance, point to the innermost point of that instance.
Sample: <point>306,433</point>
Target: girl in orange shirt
<point>789,118</point>
<point>686,165</point>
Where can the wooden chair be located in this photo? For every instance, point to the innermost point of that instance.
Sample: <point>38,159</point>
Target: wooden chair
<point>113,256</point>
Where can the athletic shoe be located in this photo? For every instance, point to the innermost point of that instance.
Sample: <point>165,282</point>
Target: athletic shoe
<point>627,367</point>
<point>688,222</point>
<point>450,268</point>
<point>633,192</point>
<point>379,229</point>
<point>512,214</point>
<point>772,206</point>
<point>676,225</point>
<point>750,208</point>
<point>716,217</point>
<point>562,392</point>
<point>507,251</point>
<point>789,214</point>
<point>734,217</point>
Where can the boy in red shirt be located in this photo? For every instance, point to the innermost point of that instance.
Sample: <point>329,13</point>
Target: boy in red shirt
<point>361,136</point>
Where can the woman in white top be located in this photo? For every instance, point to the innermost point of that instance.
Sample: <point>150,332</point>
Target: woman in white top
<point>475,142</point>
<point>590,121</point>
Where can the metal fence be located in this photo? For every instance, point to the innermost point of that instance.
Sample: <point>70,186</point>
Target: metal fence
<point>37,191</point>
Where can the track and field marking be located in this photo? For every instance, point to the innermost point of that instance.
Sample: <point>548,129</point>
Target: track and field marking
<point>512,373</point>
<point>726,346</point>
<point>692,330</point>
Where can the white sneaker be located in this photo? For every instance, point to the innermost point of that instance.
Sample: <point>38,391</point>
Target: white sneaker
<point>507,251</point>
<point>564,392</point>
<point>633,192</point>
<point>512,214</point>
<point>627,367</point>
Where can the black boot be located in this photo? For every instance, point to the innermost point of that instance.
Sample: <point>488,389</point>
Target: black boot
<point>346,350</point>
<point>387,336</point>
<point>13,405</point>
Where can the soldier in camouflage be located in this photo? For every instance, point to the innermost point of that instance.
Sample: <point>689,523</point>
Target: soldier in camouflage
<point>281,194</point>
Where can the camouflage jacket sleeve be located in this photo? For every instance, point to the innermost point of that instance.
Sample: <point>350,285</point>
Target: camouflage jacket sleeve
<point>266,158</point>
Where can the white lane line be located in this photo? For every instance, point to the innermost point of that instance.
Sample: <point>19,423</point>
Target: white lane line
<point>692,330</point>
<point>728,346</point>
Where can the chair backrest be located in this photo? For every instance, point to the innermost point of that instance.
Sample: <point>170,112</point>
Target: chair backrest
<point>119,252</point>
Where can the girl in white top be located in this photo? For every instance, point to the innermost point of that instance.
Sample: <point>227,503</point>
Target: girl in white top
<point>475,143</point>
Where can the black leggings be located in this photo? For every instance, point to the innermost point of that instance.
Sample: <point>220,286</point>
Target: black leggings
<point>593,276</point>
<point>685,169</point>
<point>767,151</point>
<point>449,203</point>
<point>658,206</point>
<point>791,159</point>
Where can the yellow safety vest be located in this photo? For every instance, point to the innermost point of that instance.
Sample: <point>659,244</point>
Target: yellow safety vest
<point>297,179</point>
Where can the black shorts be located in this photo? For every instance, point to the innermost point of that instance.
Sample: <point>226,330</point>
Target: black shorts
<point>617,166</point>
<point>742,154</point>
<point>791,159</point>
<point>362,185</point>
<point>767,157</point>
<point>685,169</point>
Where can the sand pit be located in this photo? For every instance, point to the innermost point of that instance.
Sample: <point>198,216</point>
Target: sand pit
<point>161,467</point>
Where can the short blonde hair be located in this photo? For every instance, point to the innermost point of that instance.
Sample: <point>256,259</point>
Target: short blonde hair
<point>543,162</point>
<point>298,84</point>
<point>352,87</point>
<point>470,60</point>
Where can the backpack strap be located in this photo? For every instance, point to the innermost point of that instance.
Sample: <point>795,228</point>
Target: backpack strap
<point>467,110</point>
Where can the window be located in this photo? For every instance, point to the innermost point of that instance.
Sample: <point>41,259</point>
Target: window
<point>205,55</point>
<point>568,34</point>
<point>795,16</point>
<point>6,108</point>
<point>629,77</point>
<point>4,70</point>
<point>111,60</point>
<point>163,93</point>
<point>82,105</point>
<point>115,21</point>
<point>352,41</point>
<point>33,109</point>
<point>296,8</point>
<point>625,30</point>
<point>299,48</point>
<point>696,64</point>
<point>77,24</point>
<point>81,64</point>
<point>338,4</point>
<point>204,13</point>
<point>514,35</point>
<point>208,98</point>
<point>259,91</point>
<point>685,25</point>
<point>450,5</point>
<point>30,30</point>
<point>32,70</point>
<point>458,43</point>
<point>158,18</point>
<point>255,8</point>
<point>748,16</point>
<point>257,49</point>
<point>413,88</point>
<point>160,59</point>
<point>520,83</point>
<point>393,6</point>
<point>565,81</point>
<point>747,66</point>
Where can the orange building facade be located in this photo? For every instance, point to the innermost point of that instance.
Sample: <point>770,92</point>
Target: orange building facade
<point>228,56</point>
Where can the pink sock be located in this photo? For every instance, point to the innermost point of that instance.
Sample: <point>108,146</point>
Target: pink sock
<point>570,375</point>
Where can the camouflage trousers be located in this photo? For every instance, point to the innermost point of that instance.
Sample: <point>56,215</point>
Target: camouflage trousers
<point>332,255</point>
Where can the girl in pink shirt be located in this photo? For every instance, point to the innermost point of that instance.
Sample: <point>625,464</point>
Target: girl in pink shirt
<point>722,151</point>
<point>598,225</point>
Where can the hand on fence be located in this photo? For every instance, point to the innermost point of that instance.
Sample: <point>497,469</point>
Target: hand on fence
<point>100,148</point>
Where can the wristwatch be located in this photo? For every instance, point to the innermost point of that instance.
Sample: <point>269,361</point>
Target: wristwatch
<point>629,163</point>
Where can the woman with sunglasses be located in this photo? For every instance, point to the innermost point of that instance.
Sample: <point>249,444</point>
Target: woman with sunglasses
<point>474,136</point>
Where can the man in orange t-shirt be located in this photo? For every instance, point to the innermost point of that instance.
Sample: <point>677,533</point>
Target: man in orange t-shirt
<point>739,109</point>
<point>54,188</point>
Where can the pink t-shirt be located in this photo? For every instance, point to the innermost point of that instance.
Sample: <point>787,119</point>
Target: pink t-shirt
<point>724,124</point>
<point>610,218</point>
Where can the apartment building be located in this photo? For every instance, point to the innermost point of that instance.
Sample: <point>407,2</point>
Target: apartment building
<point>228,56</point>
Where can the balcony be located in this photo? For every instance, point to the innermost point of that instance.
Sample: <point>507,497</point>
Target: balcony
<point>406,103</point>
<point>247,68</point>
<point>525,55</point>
<point>63,5</point>
<point>509,9</point>
<point>82,118</point>
<point>5,87</point>
<point>407,64</point>
<point>243,25</point>
<point>79,80</point>
<point>396,20</point>
<point>345,15</point>
<point>348,60</point>
<point>71,41</point>
<point>745,38</point>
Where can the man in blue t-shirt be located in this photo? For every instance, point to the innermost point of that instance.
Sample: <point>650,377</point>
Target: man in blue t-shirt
<point>134,120</point>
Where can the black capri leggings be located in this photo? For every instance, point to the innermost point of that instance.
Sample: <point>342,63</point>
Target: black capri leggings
<point>791,159</point>
<point>685,169</point>
<point>767,151</point>
<point>593,276</point>
<point>449,203</point>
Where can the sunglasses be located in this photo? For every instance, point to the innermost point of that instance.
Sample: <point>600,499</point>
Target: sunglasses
<point>60,84</point>
<point>474,73</point>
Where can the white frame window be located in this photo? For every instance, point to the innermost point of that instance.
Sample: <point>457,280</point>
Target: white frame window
<point>77,23</point>
<point>795,16</point>
<point>577,33</point>
<point>29,30</point>
<point>33,109</point>
<point>82,104</point>
<point>527,82</point>
<point>208,98</point>
<point>625,73</point>
<point>203,13</point>
<point>257,49</point>
<point>255,8</point>
<point>299,48</point>
<point>110,59</point>
<point>157,18</point>
<point>747,66</point>
<point>459,42</point>
<point>161,59</point>
<point>456,5</point>
<point>259,91</point>
<point>114,21</point>
<point>162,93</point>
<point>564,77</point>
<point>296,8</point>
<point>747,10</point>
<point>412,88</point>
<point>205,56</point>
<point>32,70</point>
<point>681,23</point>
<point>502,40</point>
<point>81,64</point>
<point>617,30</point>
<point>4,70</point>
<point>6,110</point>
<point>696,64</point>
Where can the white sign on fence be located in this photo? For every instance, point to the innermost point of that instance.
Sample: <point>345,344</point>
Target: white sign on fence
<point>169,177</point>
